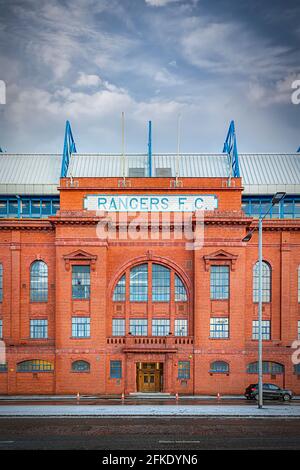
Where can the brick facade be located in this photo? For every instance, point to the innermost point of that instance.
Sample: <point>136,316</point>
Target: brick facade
<point>71,237</point>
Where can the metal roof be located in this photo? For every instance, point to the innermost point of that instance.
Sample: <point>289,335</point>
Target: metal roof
<point>29,173</point>
<point>40,173</point>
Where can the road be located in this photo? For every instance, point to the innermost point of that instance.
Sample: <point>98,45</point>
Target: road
<point>155,433</point>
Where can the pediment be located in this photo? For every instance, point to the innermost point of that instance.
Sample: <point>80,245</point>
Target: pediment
<point>79,255</point>
<point>220,257</point>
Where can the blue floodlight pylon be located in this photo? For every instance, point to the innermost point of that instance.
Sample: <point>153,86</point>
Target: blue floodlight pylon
<point>230,148</point>
<point>69,148</point>
<point>150,148</point>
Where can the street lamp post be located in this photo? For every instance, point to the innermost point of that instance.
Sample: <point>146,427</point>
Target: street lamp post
<point>275,200</point>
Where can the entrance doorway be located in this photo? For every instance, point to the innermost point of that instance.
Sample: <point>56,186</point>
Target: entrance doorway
<point>149,376</point>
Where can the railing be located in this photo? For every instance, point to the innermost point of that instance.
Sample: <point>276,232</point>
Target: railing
<point>151,341</point>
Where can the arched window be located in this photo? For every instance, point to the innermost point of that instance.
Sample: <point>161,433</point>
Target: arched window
<point>39,282</point>
<point>1,282</point>
<point>180,290</point>
<point>160,283</point>
<point>35,365</point>
<point>297,369</point>
<point>219,367</point>
<point>120,290</point>
<point>80,366</point>
<point>266,282</point>
<point>268,367</point>
<point>139,283</point>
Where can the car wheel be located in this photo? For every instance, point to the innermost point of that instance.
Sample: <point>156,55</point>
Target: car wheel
<point>286,397</point>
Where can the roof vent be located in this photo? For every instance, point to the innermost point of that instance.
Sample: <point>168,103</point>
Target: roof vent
<point>163,172</point>
<point>136,172</point>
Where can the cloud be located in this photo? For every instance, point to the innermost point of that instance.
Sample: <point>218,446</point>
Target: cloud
<point>85,80</point>
<point>160,3</point>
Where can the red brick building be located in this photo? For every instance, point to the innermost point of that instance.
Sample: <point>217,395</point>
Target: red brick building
<point>96,311</point>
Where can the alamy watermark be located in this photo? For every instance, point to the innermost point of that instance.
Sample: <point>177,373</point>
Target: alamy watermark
<point>185,226</point>
<point>2,92</point>
<point>296,94</point>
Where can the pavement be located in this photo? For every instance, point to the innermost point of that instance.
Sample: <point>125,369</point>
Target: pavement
<point>153,410</point>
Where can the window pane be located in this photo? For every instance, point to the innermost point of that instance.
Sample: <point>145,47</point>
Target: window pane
<point>35,365</point>
<point>266,282</point>
<point>160,327</point>
<point>38,329</point>
<point>1,329</point>
<point>139,283</point>
<point>80,327</point>
<point>219,282</point>
<point>39,282</point>
<point>80,282</point>
<point>184,369</point>
<point>118,327</point>
<point>219,328</point>
<point>266,330</point>
<point>139,327</point>
<point>115,369</point>
<point>80,366</point>
<point>219,367</point>
<point>180,291</point>
<point>181,327</point>
<point>160,283</point>
<point>120,290</point>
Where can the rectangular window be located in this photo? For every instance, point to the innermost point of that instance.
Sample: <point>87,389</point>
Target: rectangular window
<point>139,283</point>
<point>80,327</point>
<point>1,329</point>
<point>118,327</point>
<point>266,330</point>
<point>298,329</point>
<point>160,327</point>
<point>219,327</point>
<point>139,327</point>
<point>115,369</point>
<point>80,282</point>
<point>181,327</point>
<point>1,282</point>
<point>219,282</point>
<point>184,369</point>
<point>160,283</point>
<point>38,329</point>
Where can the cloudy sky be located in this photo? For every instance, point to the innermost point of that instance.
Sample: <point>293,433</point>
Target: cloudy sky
<point>208,60</point>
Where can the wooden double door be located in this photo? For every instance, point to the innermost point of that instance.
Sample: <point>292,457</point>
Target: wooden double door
<point>149,377</point>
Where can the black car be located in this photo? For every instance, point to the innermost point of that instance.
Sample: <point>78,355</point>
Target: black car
<point>270,392</point>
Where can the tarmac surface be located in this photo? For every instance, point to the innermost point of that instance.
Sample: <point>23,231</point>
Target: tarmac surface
<point>133,433</point>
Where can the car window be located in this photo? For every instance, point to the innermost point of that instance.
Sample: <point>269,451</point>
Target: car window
<point>266,386</point>
<point>273,387</point>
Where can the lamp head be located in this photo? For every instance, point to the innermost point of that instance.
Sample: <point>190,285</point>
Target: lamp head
<point>278,197</point>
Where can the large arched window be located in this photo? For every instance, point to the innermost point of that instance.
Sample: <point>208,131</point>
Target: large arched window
<point>80,366</point>
<point>39,282</point>
<point>35,365</point>
<point>219,367</point>
<point>269,367</point>
<point>266,282</point>
<point>161,285</point>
